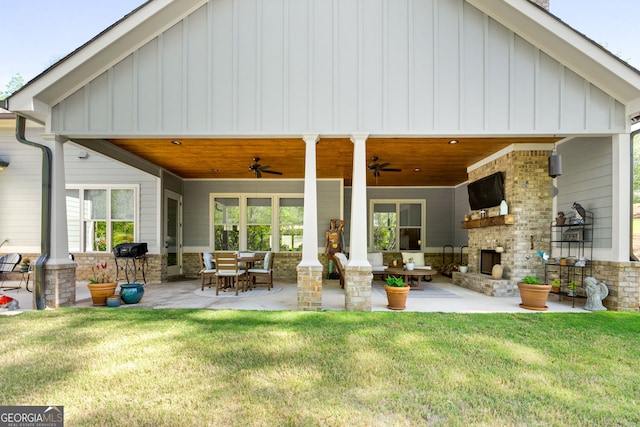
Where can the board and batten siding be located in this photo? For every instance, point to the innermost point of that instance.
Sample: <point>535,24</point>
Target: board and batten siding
<point>587,178</point>
<point>424,67</point>
<point>197,203</point>
<point>98,170</point>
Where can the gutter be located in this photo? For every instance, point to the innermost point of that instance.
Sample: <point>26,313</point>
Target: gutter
<point>632,255</point>
<point>45,232</point>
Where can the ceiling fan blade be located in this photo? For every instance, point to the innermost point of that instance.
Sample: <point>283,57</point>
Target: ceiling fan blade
<point>273,172</point>
<point>258,174</point>
<point>263,167</point>
<point>384,165</point>
<point>392,170</point>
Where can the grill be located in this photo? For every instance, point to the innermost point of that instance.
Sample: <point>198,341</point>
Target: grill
<point>130,250</point>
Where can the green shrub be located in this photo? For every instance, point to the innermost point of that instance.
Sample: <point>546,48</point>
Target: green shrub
<point>531,280</point>
<point>396,282</point>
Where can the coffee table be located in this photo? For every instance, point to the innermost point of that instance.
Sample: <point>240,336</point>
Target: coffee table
<point>408,274</point>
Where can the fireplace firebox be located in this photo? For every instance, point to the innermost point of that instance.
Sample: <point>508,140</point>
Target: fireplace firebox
<point>488,258</point>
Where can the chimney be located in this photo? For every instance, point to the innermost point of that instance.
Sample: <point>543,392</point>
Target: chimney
<point>542,3</point>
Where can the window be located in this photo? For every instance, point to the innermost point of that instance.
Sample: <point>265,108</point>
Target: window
<point>100,218</point>
<point>291,222</point>
<point>227,224</point>
<point>257,223</point>
<point>397,225</point>
<point>259,220</point>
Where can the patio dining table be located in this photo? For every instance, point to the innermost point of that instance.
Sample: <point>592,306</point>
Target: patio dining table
<point>417,273</point>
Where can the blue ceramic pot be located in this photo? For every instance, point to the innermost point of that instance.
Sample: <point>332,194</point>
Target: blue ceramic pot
<point>131,293</point>
<point>113,301</point>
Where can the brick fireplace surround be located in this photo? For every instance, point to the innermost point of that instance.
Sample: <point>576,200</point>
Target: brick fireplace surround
<point>527,192</point>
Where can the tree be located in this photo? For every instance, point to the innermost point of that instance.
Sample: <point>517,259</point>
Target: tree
<point>14,84</point>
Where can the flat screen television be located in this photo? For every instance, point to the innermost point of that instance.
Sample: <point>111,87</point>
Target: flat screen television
<point>486,192</point>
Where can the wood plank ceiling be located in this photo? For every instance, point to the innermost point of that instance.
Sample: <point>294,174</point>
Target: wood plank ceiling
<point>424,161</point>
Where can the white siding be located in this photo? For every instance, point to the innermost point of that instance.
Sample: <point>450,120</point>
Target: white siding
<point>587,179</point>
<point>335,67</point>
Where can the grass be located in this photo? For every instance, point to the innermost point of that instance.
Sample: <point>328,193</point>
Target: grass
<point>140,367</point>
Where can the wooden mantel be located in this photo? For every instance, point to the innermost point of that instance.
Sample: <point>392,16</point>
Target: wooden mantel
<point>489,222</point>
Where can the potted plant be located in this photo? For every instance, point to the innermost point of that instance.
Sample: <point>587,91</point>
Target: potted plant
<point>534,293</point>
<point>572,286</point>
<point>499,248</point>
<point>397,292</point>
<point>463,267</point>
<point>26,263</point>
<point>555,285</point>
<point>410,265</point>
<point>100,285</point>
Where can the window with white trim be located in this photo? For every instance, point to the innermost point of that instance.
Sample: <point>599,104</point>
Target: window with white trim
<point>397,225</point>
<point>255,222</point>
<point>100,218</point>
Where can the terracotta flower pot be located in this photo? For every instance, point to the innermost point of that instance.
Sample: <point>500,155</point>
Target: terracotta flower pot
<point>534,297</point>
<point>100,292</point>
<point>397,297</point>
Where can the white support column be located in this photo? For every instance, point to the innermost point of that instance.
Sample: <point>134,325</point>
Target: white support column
<point>358,277</point>
<point>358,224</point>
<point>621,197</point>
<point>310,269</point>
<point>310,232</point>
<point>59,270</point>
<point>59,234</point>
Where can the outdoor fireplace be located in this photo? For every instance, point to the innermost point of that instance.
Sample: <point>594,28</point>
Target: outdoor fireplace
<point>488,258</point>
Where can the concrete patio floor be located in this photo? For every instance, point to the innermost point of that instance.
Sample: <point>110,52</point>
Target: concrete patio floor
<point>439,296</point>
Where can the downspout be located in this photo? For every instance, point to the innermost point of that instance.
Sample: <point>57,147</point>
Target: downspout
<point>45,232</point>
<point>632,255</point>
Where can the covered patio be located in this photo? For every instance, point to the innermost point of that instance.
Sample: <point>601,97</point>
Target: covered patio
<point>440,295</point>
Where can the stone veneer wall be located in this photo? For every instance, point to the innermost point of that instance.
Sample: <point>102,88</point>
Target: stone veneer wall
<point>623,281</point>
<point>285,263</point>
<point>155,270</point>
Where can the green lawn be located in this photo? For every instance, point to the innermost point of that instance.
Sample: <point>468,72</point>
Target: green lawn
<point>137,367</point>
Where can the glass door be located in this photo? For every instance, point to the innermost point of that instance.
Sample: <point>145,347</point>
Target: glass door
<point>173,232</point>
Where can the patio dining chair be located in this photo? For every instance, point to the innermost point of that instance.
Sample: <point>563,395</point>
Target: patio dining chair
<point>207,268</point>
<point>228,271</point>
<point>263,272</point>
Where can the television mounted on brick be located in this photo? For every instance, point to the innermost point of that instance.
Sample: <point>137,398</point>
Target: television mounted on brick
<point>486,192</point>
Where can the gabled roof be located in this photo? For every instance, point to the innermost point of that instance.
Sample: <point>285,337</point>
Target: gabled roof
<point>533,23</point>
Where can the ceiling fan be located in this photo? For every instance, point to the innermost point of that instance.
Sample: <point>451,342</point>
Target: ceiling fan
<point>258,169</point>
<point>376,167</point>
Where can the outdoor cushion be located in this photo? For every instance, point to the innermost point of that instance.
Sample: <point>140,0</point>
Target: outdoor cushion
<point>266,260</point>
<point>375,259</point>
<point>418,258</point>
<point>207,258</point>
<point>342,258</point>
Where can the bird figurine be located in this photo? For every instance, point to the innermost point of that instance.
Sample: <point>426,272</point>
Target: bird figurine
<point>581,214</point>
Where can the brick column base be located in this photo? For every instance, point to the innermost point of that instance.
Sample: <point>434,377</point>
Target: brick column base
<point>59,285</point>
<point>357,288</point>
<point>310,288</point>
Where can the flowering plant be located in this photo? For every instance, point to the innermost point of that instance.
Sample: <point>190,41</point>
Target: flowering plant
<point>100,274</point>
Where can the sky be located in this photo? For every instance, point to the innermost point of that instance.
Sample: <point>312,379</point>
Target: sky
<point>37,33</point>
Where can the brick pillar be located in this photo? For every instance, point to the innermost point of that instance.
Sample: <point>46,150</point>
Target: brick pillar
<point>310,287</point>
<point>357,288</point>
<point>59,285</point>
